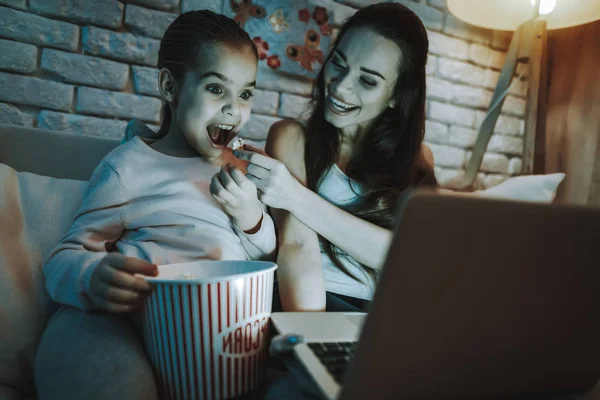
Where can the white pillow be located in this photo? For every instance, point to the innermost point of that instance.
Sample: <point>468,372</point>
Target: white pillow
<point>531,188</point>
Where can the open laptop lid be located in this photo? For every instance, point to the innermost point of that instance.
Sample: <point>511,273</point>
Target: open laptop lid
<point>483,298</point>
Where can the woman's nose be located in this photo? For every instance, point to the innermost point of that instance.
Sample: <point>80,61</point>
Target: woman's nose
<point>342,83</point>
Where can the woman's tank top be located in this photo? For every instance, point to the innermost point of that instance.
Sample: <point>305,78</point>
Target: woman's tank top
<point>341,190</point>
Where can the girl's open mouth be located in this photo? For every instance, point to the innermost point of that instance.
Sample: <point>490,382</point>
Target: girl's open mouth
<point>221,134</point>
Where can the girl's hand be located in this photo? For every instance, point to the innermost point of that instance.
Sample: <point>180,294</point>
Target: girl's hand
<point>115,288</point>
<point>278,187</point>
<point>238,196</point>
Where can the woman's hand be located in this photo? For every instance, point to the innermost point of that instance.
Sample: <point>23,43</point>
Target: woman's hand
<point>115,288</point>
<point>279,189</point>
<point>238,196</point>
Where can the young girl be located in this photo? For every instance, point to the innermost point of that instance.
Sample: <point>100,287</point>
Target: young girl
<point>149,203</point>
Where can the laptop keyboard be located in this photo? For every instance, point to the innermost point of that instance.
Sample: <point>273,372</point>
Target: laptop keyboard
<point>334,356</point>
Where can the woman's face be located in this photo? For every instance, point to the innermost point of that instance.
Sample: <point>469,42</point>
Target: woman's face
<point>360,77</point>
<point>215,98</point>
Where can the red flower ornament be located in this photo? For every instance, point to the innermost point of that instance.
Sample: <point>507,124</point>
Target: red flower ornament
<point>273,62</point>
<point>304,15</point>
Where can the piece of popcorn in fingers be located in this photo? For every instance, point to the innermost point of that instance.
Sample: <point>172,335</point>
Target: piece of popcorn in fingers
<point>237,144</point>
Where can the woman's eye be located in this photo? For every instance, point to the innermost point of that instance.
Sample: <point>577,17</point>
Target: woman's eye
<point>214,89</point>
<point>246,95</point>
<point>368,82</point>
<point>337,65</point>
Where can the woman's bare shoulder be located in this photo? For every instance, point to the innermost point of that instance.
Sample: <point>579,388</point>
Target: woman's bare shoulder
<point>286,143</point>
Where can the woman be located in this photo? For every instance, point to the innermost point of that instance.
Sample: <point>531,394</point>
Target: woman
<point>333,183</point>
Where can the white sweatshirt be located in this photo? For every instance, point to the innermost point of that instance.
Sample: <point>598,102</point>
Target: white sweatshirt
<point>148,205</point>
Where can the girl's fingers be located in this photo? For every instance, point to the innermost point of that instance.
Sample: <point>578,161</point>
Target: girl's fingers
<point>259,183</point>
<point>115,294</point>
<point>133,265</point>
<point>105,305</point>
<point>125,280</point>
<point>228,182</point>
<point>217,189</point>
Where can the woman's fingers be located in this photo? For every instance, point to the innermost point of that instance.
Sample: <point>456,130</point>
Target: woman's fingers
<point>255,150</point>
<point>258,171</point>
<point>262,160</point>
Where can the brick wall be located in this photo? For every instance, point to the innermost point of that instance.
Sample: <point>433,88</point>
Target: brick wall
<point>88,66</point>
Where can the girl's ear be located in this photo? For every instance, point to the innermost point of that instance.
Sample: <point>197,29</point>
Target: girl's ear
<point>167,85</point>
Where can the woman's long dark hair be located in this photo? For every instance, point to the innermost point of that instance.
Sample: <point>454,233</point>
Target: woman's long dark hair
<point>388,160</point>
<point>184,43</point>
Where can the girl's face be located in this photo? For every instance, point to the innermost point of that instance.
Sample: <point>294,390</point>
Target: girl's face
<point>215,98</point>
<point>360,77</point>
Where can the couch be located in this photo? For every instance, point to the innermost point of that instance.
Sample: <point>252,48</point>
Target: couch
<point>43,176</point>
<point>35,211</point>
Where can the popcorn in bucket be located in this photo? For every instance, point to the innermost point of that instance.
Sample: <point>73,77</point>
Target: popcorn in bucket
<point>206,327</point>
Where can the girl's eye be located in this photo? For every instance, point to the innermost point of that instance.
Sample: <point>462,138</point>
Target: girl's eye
<point>214,89</point>
<point>247,95</point>
<point>368,82</point>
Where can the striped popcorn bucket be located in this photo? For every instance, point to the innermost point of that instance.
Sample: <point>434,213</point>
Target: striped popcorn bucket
<point>206,327</point>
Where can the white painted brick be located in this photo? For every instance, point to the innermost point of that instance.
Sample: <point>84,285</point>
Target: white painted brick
<point>447,156</point>
<point>447,46</point>
<point>485,56</point>
<point>492,162</point>
<point>33,29</point>
<point>120,46</point>
<point>431,66</point>
<point>100,102</point>
<point>515,165</point>
<point>108,13</point>
<point>470,96</point>
<point>506,145</point>
<point>436,132</point>
<point>81,125</point>
<point>505,125</point>
<point>257,128</point>
<point>17,57</point>
<point>293,106</point>
<point>451,114</point>
<point>148,22</point>
<point>460,71</point>
<point>19,4</point>
<point>438,89</point>
<point>85,70</point>
<point>514,106</point>
<point>265,102</point>
<point>32,91</point>
<point>145,80</point>
<point>462,137</point>
<point>158,4</point>
<point>432,18</point>
<point>268,79</point>
<point>455,27</point>
<point>12,115</point>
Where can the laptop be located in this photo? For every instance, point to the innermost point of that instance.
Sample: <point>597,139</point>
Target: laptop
<point>478,298</point>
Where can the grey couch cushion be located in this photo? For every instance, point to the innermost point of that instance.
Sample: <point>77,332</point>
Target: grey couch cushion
<point>52,153</point>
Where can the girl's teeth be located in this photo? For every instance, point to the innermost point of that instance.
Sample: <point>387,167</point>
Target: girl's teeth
<point>225,127</point>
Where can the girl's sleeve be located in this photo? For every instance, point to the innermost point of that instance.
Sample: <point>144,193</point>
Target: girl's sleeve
<point>97,226</point>
<point>261,244</point>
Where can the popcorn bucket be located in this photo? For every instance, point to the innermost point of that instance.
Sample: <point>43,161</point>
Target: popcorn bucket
<point>206,327</point>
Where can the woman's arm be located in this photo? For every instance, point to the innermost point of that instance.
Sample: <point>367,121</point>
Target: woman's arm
<point>300,273</point>
<point>365,242</point>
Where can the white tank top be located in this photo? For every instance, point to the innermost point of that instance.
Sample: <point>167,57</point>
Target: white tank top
<point>339,189</point>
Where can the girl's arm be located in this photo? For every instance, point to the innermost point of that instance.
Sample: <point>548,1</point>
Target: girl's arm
<point>300,271</point>
<point>98,224</point>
